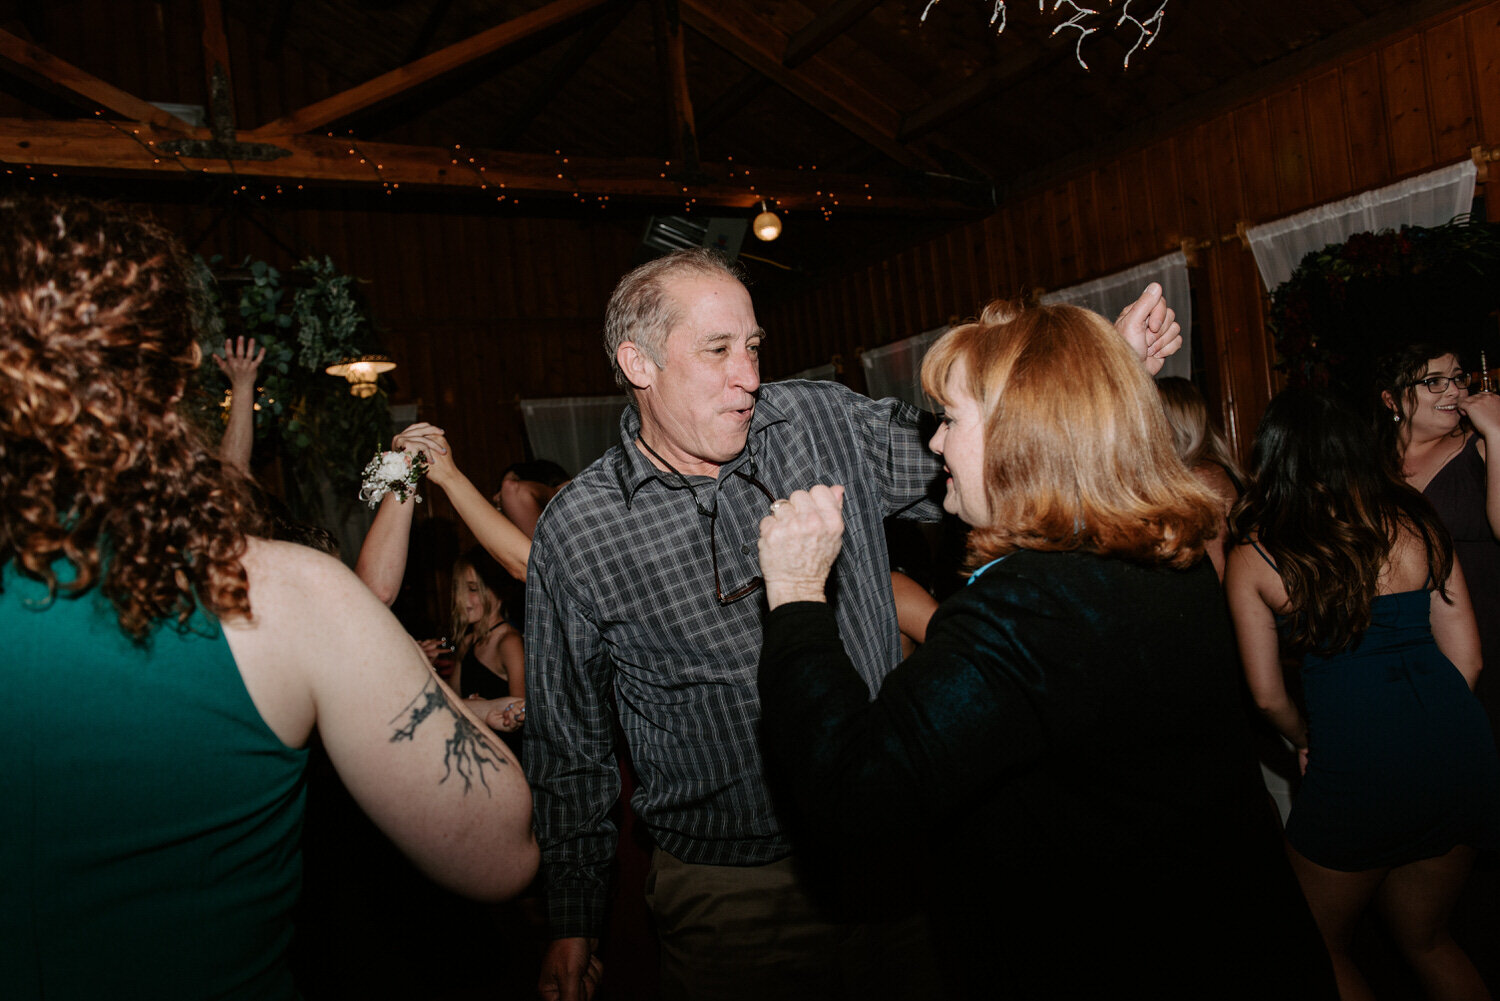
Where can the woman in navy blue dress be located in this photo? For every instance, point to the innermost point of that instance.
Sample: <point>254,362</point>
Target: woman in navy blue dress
<point>1350,568</point>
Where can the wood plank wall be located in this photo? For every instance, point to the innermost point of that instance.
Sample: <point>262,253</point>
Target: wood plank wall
<point>1410,103</point>
<point>477,311</point>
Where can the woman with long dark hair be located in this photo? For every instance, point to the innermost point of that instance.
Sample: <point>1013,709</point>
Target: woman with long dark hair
<point>164,668</point>
<point>1349,567</point>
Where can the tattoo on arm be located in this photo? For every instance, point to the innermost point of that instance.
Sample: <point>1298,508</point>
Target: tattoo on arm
<point>465,752</point>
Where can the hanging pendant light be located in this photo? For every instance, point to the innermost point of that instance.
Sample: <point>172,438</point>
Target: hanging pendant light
<point>362,372</point>
<point>767,225</point>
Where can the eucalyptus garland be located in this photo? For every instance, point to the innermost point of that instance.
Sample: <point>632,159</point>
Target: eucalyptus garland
<point>308,418</point>
<point>1351,302</point>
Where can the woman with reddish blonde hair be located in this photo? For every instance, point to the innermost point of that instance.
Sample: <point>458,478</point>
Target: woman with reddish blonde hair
<point>1066,758</point>
<point>165,668</point>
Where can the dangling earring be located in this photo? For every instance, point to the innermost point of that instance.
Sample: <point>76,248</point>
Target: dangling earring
<point>1395,417</point>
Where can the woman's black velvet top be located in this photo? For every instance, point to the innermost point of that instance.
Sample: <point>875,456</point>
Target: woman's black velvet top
<point>1063,773</point>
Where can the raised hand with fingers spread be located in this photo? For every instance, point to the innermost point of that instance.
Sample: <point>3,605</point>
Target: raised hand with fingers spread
<point>240,362</point>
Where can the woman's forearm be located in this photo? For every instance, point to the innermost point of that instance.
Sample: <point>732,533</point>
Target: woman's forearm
<point>382,557</point>
<point>1288,722</point>
<point>495,532</point>
<point>239,433</point>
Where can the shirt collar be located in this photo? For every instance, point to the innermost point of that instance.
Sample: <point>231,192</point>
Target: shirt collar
<point>636,469</point>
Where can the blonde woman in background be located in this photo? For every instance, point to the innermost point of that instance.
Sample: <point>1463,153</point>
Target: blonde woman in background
<point>1205,453</point>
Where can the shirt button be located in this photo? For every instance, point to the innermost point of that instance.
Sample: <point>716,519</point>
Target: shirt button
<point>745,549</point>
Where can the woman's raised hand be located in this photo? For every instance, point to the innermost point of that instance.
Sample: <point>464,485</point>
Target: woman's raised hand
<point>1151,329</point>
<point>799,540</point>
<point>429,440</point>
<point>240,362</point>
<point>418,436</point>
<point>1483,411</point>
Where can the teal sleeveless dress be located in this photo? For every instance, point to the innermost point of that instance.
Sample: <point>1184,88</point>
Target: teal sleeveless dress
<point>1401,763</point>
<point>150,828</point>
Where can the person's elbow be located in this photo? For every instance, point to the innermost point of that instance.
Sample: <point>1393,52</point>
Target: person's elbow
<point>387,591</point>
<point>495,865</point>
<point>1270,704</point>
<point>514,873</point>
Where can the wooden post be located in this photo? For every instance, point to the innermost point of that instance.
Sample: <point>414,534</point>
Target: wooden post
<point>667,20</point>
<point>216,69</point>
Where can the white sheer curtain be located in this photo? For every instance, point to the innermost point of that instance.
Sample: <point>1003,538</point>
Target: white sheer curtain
<point>896,369</point>
<point>573,431</point>
<point>1112,293</point>
<point>1428,200</point>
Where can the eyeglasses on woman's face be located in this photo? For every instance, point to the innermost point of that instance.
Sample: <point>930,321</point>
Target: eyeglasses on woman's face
<point>1437,384</point>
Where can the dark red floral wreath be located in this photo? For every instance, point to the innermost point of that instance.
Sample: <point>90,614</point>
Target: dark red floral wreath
<point>1351,302</point>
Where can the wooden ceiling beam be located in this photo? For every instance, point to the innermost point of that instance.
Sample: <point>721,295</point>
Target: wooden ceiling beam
<point>95,146</point>
<point>666,18</point>
<point>817,82</point>
<point>219,81</point>
<point>426,69</point>
<point>41,68</point>
<point>824,28</point>
<point>583,46</point>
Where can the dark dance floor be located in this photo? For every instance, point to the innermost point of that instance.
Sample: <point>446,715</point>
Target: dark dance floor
<point>372,926</point>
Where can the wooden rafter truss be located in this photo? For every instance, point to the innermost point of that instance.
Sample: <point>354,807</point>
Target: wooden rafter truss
<point>129,136</point>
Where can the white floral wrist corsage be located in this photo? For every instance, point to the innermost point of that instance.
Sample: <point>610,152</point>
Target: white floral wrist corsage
<point>393,473</point>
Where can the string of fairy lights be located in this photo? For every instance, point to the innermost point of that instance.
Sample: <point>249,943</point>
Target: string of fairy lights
<point>486,177</point>
<point>1086,21</point>
<point>1076,16</point>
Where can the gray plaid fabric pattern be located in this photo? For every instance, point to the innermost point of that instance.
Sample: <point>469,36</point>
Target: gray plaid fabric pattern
<point>622,624</point>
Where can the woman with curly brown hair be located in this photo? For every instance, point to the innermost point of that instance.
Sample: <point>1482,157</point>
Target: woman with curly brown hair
<point>164,668</point>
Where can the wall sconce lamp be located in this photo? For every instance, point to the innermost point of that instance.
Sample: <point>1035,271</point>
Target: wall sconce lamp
<point>361,372</point>
<point>766,225</point>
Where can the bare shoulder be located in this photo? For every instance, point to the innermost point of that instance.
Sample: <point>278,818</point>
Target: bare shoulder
<point>1406,566</point>
<point>297,580</point>
<point>1245,566</point>
<point>308,611</point>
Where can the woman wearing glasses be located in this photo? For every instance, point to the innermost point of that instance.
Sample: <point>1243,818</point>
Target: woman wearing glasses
<point>1434,424</point>
<point>1065,761</point>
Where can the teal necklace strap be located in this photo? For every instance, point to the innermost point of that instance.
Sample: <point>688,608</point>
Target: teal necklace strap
<point>975,575</point>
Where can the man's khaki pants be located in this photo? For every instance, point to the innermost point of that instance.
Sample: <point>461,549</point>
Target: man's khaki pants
<point>752,932</point>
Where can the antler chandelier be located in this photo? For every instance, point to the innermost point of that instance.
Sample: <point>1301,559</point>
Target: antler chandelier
<point>1077,18</point>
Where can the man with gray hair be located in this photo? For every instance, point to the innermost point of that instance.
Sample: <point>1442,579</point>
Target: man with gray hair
<point>644,612</point>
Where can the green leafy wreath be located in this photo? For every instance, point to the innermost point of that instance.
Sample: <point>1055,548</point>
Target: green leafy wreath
<point>1351,302</point>
<point>306,417</point>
